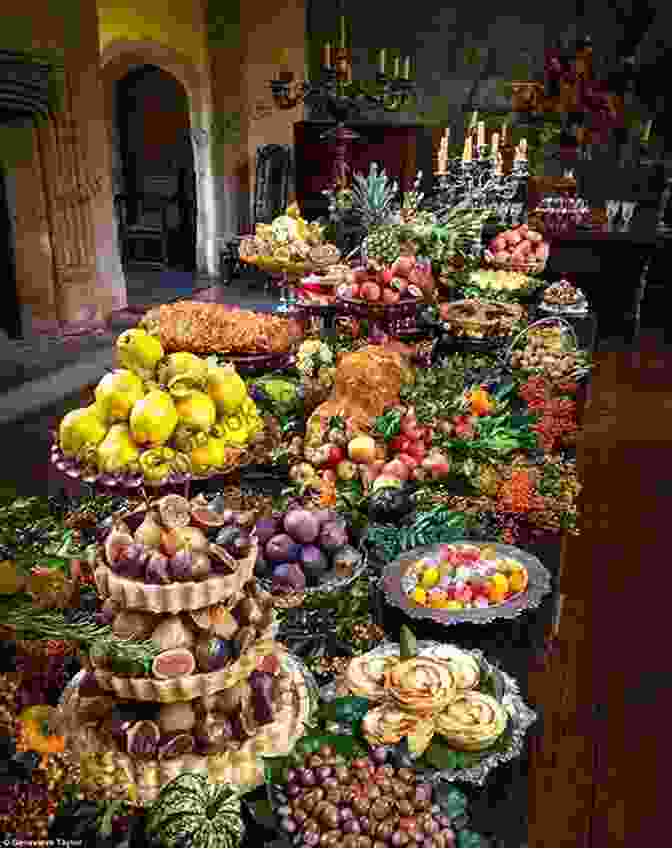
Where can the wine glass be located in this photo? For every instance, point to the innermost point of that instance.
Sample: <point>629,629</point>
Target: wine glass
<point>613,207</point>
<point>627,211</point>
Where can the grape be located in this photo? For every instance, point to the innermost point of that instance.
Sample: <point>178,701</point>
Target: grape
<point>352,826</point>
<point>379,754</point>
<point>443,821</point>
<point>398,838</point>
<point>364,825</point>
<point>323,773</point>
<point>345,814</point>
<point>311,838</point>
<point>307,777</point>
<point>330,782</point>
<point>432,827</point>
<point>292,776</point>
<point>292,790</point>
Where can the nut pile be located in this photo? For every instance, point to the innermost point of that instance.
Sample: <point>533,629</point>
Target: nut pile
<point>546,351</point>
<point>366,803</point>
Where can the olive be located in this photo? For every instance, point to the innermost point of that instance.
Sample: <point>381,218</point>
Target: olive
<point>315,761</point>
<point>384,831</point>
<point>407,775</point>
<point>301,815</point>
<point>311,825</point>
<point>331,838</point>
<point>342,773</point>
<point>326,751</point>
<point>405,808</point>
<point>334,795</point>
<point>373,791</point>
<point>361,805</point>
<point>330,816</point>
<point>363,841</point>
<point>312,797</point>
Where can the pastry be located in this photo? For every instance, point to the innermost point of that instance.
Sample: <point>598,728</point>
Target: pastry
<point>422,685</point>
<point>365,676</point>
<point>387,724</point>
<point>472,722</point>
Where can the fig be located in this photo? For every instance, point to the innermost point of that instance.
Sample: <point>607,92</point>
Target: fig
<point>221,561</point>
<point>302,525</point>
<point>175,746</point>
<point>149,532</point>
<point>172,633</point>
<point>212,736</point>
<point>174,663</point>
<point>313,562</point>
<point>142,740</point>
<point>261,684</point>
<point>229,700</point>
<point>207,519</point>
<point>157,570</point>
<point>264,529</point>
<point>178,716</point>
<point>241,546</point>
<point>333,535</point>
<point>245,637</point>
<point>282,548</point>
<point>200,566</point>
<point>248,612</point>
<point>179,565</point>
<point>133,560</point>
<point>288,577</point>
<point>115,542</point>
<point>212,653</point>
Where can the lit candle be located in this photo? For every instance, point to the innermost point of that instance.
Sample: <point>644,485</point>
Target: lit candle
<point>327,55</point>
<point>523,148</point>
<point>407,68</point>
<point>495,143</point>
<point>505,128</point>
<point>499,167</point>
<point>343,32</point>
<point>397,62</point>
<point>481,133</point>
<point>284,59</point>
<point>467,154</point>
<point>474,119</point>
<point>647,131</point>
<point>446,135</point>
<point>382,56</point>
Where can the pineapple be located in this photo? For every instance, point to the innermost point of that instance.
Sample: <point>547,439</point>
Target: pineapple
<point>487,479</point>
<point>373,197</point>
<point>382,245</point>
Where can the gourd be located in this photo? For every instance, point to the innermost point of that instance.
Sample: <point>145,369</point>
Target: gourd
<point>190,811</point>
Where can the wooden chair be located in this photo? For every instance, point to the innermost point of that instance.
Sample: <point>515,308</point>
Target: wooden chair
<point>271,191</point>
<point>143,229</point>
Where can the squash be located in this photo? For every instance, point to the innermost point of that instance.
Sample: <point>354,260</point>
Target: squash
<point>191,809</point>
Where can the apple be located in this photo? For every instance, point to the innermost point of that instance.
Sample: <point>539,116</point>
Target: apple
<point>390,297</point>
<point>362,449</point>
<point>329,476</point>
<point>360,275</point>
<point>385,276</point>
<point>396,469</point>
<point>399,284</point>
<point>399,444</point>
<point>370,291</point>
<point>408,461</point>
<point>403,265</point>
<point>417,450</point>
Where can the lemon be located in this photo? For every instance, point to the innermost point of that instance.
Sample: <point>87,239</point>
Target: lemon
<point>197,411</point>
<point>227,389</point>
<point>430,577</point>
<point>116,394</point>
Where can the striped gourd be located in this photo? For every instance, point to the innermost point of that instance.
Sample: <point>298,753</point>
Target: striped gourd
<point>190,811</point>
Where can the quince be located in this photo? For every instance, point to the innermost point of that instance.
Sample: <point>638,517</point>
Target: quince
<point>11,580</point>
<point>81,429</point>
<point>234,430</point>
<point>226,388</point>
<point>182,371</point>
<point>117,451</point>
<point>197,411</point>
<point>206,457</point>
<point>153,419</point>
<point>139,352</point>
<point>116,394</point>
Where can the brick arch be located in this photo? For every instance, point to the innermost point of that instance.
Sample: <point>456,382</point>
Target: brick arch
<point>123,56</point>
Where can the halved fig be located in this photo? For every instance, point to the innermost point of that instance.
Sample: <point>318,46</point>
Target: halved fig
<point>217,619</point>
<point>175,746</point>
<point>174,511</point>
<point>142,740</point>
<point>115,545</point>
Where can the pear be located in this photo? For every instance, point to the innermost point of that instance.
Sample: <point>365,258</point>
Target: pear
<point>149,532</point>
<point>153,419</point>
<point>117,451</point>
<point>139,352</point>
<point>197,411</point>
<point>80,429</point>
<point>182,369</point>
<point>226,388</point>
<point>116,394</point>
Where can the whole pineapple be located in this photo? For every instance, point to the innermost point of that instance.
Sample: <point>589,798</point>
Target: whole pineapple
<point>488,479</point>
<point>382,245</point>
<point>372,202</point>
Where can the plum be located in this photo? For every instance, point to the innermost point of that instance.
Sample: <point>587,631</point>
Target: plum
<point>282,548</point>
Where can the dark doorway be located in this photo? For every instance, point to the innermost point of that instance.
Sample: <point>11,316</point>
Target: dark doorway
<point>158,185</point>
<point>10,315</point>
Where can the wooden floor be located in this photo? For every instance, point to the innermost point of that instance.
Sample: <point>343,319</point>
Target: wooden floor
<point>606,689</point>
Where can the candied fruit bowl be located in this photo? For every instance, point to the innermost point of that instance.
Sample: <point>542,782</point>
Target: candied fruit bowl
<point>464,582</point>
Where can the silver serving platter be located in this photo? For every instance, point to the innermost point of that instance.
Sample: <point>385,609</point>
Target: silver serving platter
<point>326,586</point>
<point>579,307</point>
<point>521,717</point>
<point>539,585</point>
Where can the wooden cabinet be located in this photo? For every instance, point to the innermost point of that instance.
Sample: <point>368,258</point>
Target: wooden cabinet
<point>394,148</point>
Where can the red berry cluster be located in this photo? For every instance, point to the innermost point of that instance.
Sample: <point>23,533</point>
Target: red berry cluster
<point>557,422</point>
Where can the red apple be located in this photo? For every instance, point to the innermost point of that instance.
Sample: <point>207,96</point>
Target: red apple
<point>390,297</point>
<point>408,461</point>
<point>399,444</point>
<point>403,265</point>
<point>370,291</point>
<point>385,276</point>
<point>417,450</point>
<point>399,284</point>
<point>360,275</point>
<point>396,469</point>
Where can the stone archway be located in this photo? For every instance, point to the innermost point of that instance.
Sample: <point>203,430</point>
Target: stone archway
<point>120,58</point>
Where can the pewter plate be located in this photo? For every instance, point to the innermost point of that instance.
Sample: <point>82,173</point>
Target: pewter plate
<point>521,717</point>
<point>326,586</point>
<point>539,585</point>
<point>579,307</point>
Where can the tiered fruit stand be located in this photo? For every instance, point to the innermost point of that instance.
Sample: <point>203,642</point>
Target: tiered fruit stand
<point>404,502</point>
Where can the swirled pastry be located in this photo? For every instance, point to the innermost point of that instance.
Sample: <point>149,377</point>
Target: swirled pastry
<point>421,685</point>
<point>472,722</point>
<point>387,724</point>
<point>464,667</point>
<point>365,676</point>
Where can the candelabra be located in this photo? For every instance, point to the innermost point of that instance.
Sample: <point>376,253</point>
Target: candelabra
<point>337,94</point>
<point>481,184</point>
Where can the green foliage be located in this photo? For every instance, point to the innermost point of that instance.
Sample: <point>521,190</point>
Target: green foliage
<point>430,527</point>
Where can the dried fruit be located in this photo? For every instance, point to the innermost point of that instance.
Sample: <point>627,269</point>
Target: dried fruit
<point>174,663</point>
<point>174,511</point>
